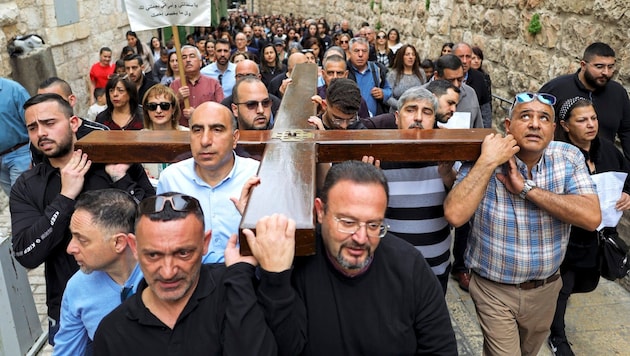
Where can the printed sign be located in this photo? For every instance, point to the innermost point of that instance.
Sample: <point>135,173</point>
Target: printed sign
<point>151,14</point>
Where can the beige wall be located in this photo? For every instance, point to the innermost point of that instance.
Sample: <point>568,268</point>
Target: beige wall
<point>74,47</point>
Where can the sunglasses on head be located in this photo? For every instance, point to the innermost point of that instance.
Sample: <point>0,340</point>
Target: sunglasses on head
<point>178,202</point>
<point>154,106</point>
<point>253,104</point>
<point>527,97</point>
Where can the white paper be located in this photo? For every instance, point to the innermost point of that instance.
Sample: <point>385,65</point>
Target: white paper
<point>459,120</point>
<point>609,188</point>
<point>151,14</point>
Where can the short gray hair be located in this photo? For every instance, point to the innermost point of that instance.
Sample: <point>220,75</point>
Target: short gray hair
<point>359,40</point>
<point>418,93</point>
<point>193,47</point>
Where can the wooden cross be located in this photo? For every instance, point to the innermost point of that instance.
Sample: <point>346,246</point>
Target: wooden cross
<point>290,153</point>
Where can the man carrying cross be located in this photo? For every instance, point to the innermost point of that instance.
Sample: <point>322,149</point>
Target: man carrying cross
<point>363,283</point>
<point>214,174</point>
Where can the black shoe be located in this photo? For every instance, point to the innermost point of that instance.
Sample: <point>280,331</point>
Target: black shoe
<point>560,346</point>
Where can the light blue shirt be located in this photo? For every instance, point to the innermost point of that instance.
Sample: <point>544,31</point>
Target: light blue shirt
<point>88,298</point>
<point>13,130</point>
<point>228,78</point>
<point>365,82</point>
<point>220,214</point>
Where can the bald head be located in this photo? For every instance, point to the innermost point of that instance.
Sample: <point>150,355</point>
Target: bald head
<point>246,68</point>
<point>295,58</point>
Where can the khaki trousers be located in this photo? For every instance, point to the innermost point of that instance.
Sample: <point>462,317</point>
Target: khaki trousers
<point>513,321</point>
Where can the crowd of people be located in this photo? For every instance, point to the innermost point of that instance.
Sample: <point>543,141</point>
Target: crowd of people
<point>141,259</point>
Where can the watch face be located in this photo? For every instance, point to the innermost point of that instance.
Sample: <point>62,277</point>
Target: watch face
<point>530,182</point>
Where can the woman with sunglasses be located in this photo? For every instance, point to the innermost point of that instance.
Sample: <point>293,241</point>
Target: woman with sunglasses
<point>160,109</point>
<point>344,42</point>
<point>579,270</point>
<point>123,111</point>
<point>383,54</point>
<point>405,74</point>
<point>393,40</point>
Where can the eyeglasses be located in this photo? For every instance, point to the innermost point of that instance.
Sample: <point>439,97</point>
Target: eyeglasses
<point>220,79</point>
<point>179,202</point>
<point>344,41</point>
<point>253,104</point>
<point>153,106</point>
<point>602,66</point>
<point>126,293</point>
<point>337,121</point>
<point>381,37</point>
<point>372,229</point>
<point>527,97</point>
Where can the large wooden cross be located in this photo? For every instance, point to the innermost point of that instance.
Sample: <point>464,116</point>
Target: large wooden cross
<point>290,153</point>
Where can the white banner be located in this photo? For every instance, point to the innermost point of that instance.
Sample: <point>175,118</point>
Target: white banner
<point>151,14</point>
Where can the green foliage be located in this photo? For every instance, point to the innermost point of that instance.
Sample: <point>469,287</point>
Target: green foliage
<point>372,5</point>
<point>427,3</point>
<point>534,27</point>
<point>378,25</point>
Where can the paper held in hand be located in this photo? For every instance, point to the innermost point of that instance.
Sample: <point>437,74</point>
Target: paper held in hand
<point>151,14</point>
<point>459,120</point>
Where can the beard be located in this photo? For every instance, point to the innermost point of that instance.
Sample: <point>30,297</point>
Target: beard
<point>443,118</point>
<point>357,265</point>
<point>64,147</point>
<point>594,82</point>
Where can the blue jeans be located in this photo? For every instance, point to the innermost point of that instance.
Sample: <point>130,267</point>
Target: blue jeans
<point>12,165</point>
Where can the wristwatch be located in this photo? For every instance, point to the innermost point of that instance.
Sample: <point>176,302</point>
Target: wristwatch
<point>529,185</point>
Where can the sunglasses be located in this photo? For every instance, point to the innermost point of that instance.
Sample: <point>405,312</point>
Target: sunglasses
<point>344,41</point>
<point>527,97</point>
<point>381,37</point>
<point>153,106</point>
<point>253,104</point>
<point>178,202</point>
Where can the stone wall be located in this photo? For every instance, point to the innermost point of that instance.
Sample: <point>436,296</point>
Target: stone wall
<point>74,47</point>
<point>516,60</point>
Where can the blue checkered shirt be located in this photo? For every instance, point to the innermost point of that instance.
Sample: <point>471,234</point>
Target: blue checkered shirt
<point>511,239</point>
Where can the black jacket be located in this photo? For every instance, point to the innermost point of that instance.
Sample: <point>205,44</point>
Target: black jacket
<point>611,104</point>
<point>40,219</point>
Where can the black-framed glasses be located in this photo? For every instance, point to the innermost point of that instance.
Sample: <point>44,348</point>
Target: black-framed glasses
<point>372,229</point>
<point>221,79</point>
<point>253,104</point>
<point>153,106</point>
<point>126,293</point>
<point>178,202</point>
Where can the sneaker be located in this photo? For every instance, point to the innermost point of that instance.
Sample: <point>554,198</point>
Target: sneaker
<point>560,346</point>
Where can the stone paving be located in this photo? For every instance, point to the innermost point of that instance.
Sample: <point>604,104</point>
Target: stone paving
<point>598,323</point>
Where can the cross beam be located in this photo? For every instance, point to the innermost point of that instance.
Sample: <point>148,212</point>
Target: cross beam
<point>290,153</point>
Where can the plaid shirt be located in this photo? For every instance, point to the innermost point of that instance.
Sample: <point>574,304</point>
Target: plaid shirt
<point>512,240</point>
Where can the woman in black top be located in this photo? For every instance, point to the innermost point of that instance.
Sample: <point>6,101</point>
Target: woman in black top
<point>579,270</point>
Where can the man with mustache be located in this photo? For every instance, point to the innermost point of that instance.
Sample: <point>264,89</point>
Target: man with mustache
<point>222,69</point>
<point>522,196</point>
<point>363,283</point>
<point>43,198</point>
<point>415,212</point>
<point>594,81</point>
<point>252,104</point>
<point>198,88</point>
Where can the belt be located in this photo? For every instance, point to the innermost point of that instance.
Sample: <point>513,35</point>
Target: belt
<point>13,148</point>
<point>533,284</point>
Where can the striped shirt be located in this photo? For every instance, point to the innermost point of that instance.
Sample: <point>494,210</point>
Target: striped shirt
<point>511,239</point>
<point>416,213</point>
